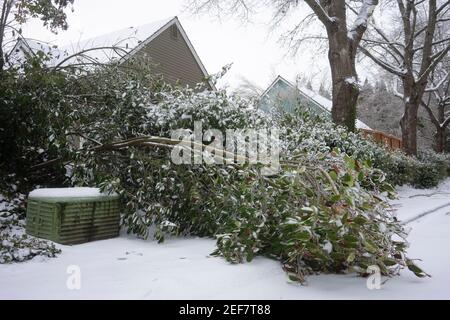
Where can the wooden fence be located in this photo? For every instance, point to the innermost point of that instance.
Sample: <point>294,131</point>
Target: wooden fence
<point>388,140</point>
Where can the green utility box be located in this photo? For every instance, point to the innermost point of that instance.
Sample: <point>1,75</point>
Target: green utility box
<point>72,215</point>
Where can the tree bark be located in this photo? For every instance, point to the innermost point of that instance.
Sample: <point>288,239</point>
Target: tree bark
<point>408,124</point>
<point>5,12</point>
<point>413,94</point>
<point>440,123</point>
<point>343,43</point>
<point>440,137</point>
<point>341,56</point>
<point>2,61</point>
<point>413,68</point>
<point>344,79</point>
<point>415,89</point>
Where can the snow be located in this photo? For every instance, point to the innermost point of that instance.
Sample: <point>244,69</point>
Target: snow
<point>328,247</point>
<point>439,84</point>
<point>351,81</point>
<point>414,203</point>
<point>130,268</point>
<point>66,193</point>
<point>365,13</point>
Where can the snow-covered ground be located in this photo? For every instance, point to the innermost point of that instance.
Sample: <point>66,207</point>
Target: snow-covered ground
<point>128,268</point>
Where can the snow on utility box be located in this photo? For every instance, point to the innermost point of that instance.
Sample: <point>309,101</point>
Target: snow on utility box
<point>72,215</point>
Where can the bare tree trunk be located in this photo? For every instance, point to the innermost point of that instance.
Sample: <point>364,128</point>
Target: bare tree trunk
<point>408,124</point>
<point>341,56</point>
<point>440,137</point>
<point>413,94</point>
<point>420,55</point>
<point>344,77</point>
<point>343,43</point>
<point>440,123</point>
<point>447,142</point>
<point>4,14</point>
<point>343,40</point>
<point>2,59</point>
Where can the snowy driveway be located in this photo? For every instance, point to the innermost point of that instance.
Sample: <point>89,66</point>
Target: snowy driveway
<point>127,268</point>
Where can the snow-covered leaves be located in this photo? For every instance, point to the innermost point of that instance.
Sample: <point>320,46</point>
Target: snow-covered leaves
<point>15,244</point>
<point>320,135</point>
<point>319,214</point>
<point>322,218</point>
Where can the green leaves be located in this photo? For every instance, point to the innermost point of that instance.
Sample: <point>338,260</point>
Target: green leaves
<point>321,213</point>
<point>360,220</point>
<point>348,180</point>
<point>52,13</point>
<point>15,244</point>
<point>351,258</point>
<point>333,175</point>
<point>390,262</point>
<point>351,162</point>
<point>417,271</point>
<point>250,256</point>
<point>370,246</point>
<point>302,235</point>
<point>331,229</point>
<point>309,210</point>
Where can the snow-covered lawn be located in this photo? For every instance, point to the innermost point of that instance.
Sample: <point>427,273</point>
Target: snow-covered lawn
<point>129,268</point>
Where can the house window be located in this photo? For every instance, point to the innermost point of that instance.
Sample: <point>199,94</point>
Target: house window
<point>174,31</point>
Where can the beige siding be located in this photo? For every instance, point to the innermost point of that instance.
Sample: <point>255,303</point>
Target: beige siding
<point>172,58</point>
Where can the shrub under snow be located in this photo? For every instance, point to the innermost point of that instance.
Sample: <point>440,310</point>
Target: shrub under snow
<point>323,212</point>
<point>316,134</point>
<point>15,244</point>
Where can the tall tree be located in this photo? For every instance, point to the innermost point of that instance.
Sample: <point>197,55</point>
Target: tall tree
<point>437,103</point>
<point>343,38</point>
<point>14,13</point>
<point>411,52</point>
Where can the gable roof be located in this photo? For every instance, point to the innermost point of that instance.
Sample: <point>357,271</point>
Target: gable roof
<point>27,47</point>
<point>318,100</point>
<point>277,79</point>
<point>126,43</point>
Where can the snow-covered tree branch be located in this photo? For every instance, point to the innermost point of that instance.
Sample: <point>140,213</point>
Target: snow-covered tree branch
<point>436,102</point>
<point>16,12</point>
<point>424,44</point>
<point>342,43</point>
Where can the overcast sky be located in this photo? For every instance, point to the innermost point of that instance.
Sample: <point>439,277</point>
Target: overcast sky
<point>253,49</point>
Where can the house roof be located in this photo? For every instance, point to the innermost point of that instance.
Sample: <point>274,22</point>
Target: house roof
<point>317,99</point>
<point>128,41</point>
<point>120,45</point>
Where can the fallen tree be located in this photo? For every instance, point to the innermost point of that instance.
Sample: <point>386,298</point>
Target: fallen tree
<point>323,211</point>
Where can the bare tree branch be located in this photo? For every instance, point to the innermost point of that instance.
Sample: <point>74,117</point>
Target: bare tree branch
<point>321,13</point>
